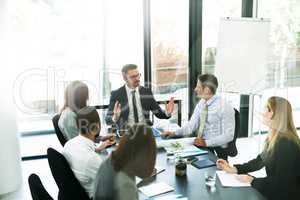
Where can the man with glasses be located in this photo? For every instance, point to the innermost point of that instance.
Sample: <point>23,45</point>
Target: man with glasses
<point>131,103</point>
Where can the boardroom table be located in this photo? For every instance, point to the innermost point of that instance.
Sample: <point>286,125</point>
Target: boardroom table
<point>193,184</point>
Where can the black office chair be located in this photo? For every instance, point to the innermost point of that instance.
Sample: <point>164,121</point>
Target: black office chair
<point>69,186</point>
<point>231,149</point>
<point>38,192</point>
<point>58,132</point>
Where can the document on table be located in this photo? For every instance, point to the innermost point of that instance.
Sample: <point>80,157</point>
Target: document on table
<point>165,143</point>
<point>185,151</point>
<point>156,188</point>
<point>158,170</point>
<point>170,197</point>
<point>230,180</point>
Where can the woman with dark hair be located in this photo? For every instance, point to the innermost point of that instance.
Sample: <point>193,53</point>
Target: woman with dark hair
<point>76,96</point>
<point>135,156</point>
<point>281,155</point>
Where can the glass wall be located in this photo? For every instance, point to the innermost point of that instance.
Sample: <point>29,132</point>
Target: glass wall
<point>123,40</point>
<point>55,44</point>
<point>169,47</point>
<point>61,41</point>
<point>213,10</point>
<point>284,58</point>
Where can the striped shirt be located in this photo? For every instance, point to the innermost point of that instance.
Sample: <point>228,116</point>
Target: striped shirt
<point>220,122</point>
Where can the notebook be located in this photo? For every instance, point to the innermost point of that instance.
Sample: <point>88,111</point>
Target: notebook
<point>155,189</point>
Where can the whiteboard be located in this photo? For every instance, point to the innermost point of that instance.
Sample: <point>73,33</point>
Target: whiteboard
<point>242,53</point>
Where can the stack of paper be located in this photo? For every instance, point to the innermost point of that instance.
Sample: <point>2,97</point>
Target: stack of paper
<point>165,125</point>
<point>154,189</point>
<point>186,151</point>
<point>230,180</point>
<point>165,143</point>
<point>171,197</point>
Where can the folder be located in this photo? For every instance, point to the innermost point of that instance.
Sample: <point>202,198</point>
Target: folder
<point>203,163</point>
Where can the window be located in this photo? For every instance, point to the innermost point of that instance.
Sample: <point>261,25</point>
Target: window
<point>123,42</point>
<point>56,44</point>
<point>61,41</point>
<point>169,42</point>
<point>213,10</point>
<point>283,63</point>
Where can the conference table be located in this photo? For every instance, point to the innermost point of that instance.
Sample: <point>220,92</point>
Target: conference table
<point>193,185</point>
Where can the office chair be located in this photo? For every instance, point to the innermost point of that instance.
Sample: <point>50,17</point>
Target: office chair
<point>231,149</point>
<point>58,132</point>
<point>38,192</point>
<point>69,186</point>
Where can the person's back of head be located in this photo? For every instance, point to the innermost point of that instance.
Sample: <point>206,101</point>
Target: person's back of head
<point>136,153</point>
<point>76,96</point>
<point>88,122</point>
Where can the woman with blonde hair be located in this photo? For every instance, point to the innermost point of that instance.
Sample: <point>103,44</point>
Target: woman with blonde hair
<point>280,157</point>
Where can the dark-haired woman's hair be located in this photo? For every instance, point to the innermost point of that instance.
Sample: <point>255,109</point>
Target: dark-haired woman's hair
<point>136,153</point>
<point>76,96</point>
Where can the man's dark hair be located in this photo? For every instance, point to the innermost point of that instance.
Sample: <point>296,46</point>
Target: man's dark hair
<point>87,120</point>
<point>128,67</point>
<point>210,81</point>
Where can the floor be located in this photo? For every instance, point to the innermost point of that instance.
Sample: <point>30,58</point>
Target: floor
<point>248,148</point>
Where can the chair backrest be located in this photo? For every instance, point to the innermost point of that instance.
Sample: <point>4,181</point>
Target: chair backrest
<point>69,186</point>
<point>231,149</point>
<point>58,132</point>
<point>237,124</point>
<point>38,192</point>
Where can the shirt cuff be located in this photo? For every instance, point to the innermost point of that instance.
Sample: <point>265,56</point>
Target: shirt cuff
<point>167,114</point>
<point>179,132</point>
<point>240,169</point>
<point>209,143</point>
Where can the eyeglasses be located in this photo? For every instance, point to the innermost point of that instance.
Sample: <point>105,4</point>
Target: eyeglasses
<point>134,76</point>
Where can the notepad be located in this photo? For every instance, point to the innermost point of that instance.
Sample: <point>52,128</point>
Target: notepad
<point>170,197</point>
<point>154,189</point>
<point>230,180</point>
<point>139,182</point>
<point>158,169</point>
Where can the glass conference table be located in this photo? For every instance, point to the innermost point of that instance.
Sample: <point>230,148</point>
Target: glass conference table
<point>193,185</point>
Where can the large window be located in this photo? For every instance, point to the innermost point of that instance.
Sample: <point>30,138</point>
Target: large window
<point>284,59</point>
<point>60,41</point>
<point>213,11</point>
<point>169,42</point>
<point>123,39</point>
<point>57,41</point>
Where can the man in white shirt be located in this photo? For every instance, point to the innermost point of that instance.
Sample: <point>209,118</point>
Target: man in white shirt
<point>213,119</point>
<point>81,151</point>
<point>132,103</point>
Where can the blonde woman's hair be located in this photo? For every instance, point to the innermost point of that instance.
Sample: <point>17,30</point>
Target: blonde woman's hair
<point>281,123</point>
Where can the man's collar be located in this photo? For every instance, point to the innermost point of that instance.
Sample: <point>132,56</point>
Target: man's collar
<point>87,140</point>
<point>210,100</point>
<point>128,89</point>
